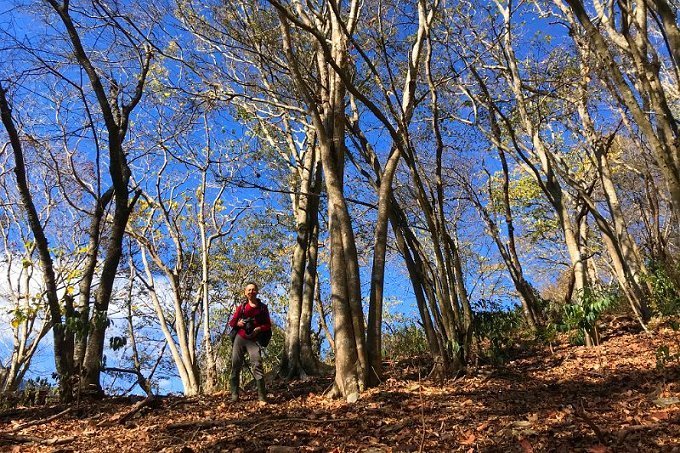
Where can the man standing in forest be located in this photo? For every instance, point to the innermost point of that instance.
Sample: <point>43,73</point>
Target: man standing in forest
<point>252,321</point>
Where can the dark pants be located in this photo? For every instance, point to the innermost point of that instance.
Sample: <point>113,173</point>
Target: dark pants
<point>238,355</point>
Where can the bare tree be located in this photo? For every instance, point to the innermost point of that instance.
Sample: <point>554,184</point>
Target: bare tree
<point>177,231</point>
<point>21,283</point>
<point>63,345</point>
<point>638,58</point>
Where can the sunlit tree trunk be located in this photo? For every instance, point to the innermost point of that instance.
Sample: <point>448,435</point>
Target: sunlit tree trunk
<point>328,118</point>
<point>298,360</point>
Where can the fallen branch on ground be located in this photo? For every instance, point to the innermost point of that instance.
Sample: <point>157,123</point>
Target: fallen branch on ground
<point>202,424</point>
<point>41,421</point>
<point>125,417</point>
<point>302,420</point>
<point>10,439</point>
<point>206,424</point>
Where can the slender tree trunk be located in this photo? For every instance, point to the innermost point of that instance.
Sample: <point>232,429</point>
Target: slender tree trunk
<point>186,368</point>
<point>439,355</point>
<point>63,349</point>
<point>210,379</point>
<point>308,359</point>
<point>89,270</point>
<point>662,139</point>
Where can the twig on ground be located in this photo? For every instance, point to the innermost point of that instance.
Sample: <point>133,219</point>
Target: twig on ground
<point>301,420</point>
<point>422,414</point>
<point>581,413</point>
<point>182,401</point>
<point>202,424</point>
<point>6,438</point>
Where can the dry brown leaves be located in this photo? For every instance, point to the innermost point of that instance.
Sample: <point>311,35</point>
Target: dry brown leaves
<point>606,399</point>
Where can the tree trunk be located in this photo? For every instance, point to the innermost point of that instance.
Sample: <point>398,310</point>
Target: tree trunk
<point>661,132</point>
<point>116,120</point>
<point>89,270</point>
<point>95,343</point>
<point>63,348</point>
<point>298,359</point>
<point>186,367</point>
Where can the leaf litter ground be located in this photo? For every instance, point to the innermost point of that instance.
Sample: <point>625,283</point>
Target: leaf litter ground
<point>611,398</point>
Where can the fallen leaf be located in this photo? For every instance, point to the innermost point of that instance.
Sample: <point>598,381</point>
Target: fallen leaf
<point>660,415</point>
<point>665,402</point>
<point>281,449</point>
<point>526,446</point>
<point>482,426</point>
<point>470,439</point>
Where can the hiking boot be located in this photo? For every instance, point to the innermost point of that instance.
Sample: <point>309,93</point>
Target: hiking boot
<point>261,392</point>
<point>233,386</point>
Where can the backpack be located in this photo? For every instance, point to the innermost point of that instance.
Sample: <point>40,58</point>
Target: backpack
<point>263,338</point>
<point>234,330</point>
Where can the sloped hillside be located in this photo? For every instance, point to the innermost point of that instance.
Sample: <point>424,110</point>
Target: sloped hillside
<point>621,396</point>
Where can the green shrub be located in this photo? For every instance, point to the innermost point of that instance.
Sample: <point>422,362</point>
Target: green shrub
<point>665,297</point>
<point>583,314</point>
<point>501,328</point>
<point>406,339</point>
<point>34,392</point>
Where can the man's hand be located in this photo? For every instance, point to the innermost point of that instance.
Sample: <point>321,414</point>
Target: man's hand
<point>240,323</point>
<point>254,333</point>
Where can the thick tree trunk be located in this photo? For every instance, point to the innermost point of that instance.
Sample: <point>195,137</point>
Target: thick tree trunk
<point>95,343</point>
<point>327,110</point>
<point>299,359</point>
<point>350,369</point>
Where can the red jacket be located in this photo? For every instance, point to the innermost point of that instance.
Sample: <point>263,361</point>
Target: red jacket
<point>259,313</point>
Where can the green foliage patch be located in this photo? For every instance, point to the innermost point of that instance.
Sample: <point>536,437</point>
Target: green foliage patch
<point>498,330</point>
<point>404,340</point>
<point>665,297</point>
<point>583,314</point>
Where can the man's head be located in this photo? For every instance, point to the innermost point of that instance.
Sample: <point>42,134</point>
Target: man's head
<point>251,291</point>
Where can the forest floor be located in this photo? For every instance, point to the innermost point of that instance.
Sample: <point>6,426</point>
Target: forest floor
<point>611,398</point>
